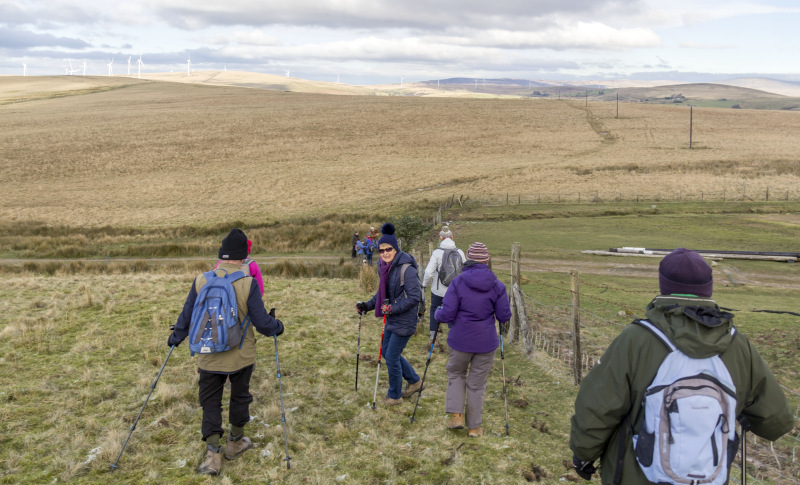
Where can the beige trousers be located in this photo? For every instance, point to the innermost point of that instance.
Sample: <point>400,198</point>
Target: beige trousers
<point>466,380</point>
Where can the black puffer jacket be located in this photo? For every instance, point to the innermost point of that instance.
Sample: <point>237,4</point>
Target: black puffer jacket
<point>404,299</point>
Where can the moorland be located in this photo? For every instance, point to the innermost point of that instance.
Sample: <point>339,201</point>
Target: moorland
<point>116,193</point>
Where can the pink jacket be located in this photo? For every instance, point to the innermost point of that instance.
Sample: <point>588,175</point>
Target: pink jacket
<point>252,269</point>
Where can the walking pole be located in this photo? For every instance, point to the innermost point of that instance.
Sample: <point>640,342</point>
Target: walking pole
<point>283,415</point>
<point>505,395</point>
<point>358,348</point>
<point>378,370</point>
<point>422,386</point>
<point>745,428</point>
<point>114,465</point>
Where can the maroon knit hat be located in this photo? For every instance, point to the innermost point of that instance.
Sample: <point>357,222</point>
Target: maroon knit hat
<point>685,272</point>
<point>478,252</point>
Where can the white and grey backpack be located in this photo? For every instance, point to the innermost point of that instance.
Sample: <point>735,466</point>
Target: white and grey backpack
<point>687,433</point>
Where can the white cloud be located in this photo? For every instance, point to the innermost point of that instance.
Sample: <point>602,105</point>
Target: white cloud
<point>255,37</point>
<point>580,35</point>
<point>701,45</point>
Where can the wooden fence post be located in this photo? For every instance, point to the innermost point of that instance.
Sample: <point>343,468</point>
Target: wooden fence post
<point>515,280</point>
<point>524,324</point>
<point>576,324</point>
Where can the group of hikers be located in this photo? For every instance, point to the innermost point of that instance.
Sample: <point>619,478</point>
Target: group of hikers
<point>364,248</point>
<point>660,406</point>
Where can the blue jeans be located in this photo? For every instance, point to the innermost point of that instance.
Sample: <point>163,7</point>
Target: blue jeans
<point>436,301</point>
<point>396,364</point>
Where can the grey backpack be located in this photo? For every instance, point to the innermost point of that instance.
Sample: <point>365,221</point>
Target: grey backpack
<point>451,266</point>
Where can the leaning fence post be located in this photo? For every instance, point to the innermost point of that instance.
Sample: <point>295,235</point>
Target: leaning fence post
<point>576,323</point>
<point>524,327</point>
<point>515,280</point>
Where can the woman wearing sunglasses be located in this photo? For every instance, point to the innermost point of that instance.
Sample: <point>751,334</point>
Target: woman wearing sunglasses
<point>397,298</point>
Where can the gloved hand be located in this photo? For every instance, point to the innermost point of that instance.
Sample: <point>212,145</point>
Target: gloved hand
<point>361,307</point>
<point>584,469</point>
<point>172,340</point>
<point>280,328</point>
<point>272,312</point>
<point>386,309</point>
<point>421,309</point>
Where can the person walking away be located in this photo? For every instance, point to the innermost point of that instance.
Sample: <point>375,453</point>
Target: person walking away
<point>397,298</point>
<point>353,241</point>
<point>472,303</point>
<point>360,250</point>
<point>369,249</point>
<point>250,267</point>
<point>235,365</point>
<point>614,404</point>
<point>432,279</point>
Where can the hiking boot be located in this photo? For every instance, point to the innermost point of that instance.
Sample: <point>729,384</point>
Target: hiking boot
<point>212,462</point>
<point>236,447</point>
<point>456,421</point>
<point>387,401</point>
<point>412,388</point>
<point>475,433</point>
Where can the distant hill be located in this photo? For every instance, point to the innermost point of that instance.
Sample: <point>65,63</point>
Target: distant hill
<point>747,93</point>
<point>705,95</point>
<point>786,88</point>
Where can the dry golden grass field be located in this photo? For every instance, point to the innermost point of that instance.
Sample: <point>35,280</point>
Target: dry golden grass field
<point>153,153</point>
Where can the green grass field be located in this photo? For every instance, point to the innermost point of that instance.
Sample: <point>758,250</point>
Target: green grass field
<point>86,346</point>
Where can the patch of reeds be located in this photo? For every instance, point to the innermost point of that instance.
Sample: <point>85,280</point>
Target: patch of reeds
<point>368,279</point>
<point>326,233</point>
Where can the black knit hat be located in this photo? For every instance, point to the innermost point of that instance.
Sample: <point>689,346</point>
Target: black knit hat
<point>234,246</point>
<point>685,272</point>
<point>388,236</point>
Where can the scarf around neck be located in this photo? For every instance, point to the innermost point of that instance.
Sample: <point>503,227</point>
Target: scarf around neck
<point>383,287</point>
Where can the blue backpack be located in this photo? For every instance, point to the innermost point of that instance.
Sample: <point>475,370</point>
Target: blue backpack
<point>215,323</point>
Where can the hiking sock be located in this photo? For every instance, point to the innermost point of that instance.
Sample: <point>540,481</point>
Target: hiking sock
<point>213,442</point>
<point>236,433</point>
<point>433,334</point>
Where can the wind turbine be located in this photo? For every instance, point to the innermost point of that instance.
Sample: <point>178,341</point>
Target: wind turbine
<point>288,73</point>
<point>129,65</point>
<point>189,67</point>
<point>24,69</point>
<point>110,63</point>
<point>71,71</point>
<point>139,62</point>
<point>84,68</point>
<point>401,80</point>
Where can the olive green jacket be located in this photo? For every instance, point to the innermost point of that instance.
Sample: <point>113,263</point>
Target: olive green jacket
<point>249,303</point>
<point>609,399</point>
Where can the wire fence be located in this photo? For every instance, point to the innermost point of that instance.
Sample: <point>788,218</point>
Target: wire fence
<point>741,193</point>
<point>547,323</point>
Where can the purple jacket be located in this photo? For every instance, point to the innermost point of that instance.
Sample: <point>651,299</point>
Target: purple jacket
<point>472,302</point>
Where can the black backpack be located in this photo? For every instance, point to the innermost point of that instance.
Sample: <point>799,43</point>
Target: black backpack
<point>451,266</point>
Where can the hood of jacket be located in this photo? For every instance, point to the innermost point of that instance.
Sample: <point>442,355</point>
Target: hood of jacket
<point>478,276</point>
<point>447,243</point>
<point>696,326</point>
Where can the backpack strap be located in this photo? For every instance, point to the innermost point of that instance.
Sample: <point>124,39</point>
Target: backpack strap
<point>657,332</point>
<point>403,268</point>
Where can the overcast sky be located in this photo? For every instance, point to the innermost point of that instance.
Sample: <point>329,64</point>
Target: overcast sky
<point>380,41</point>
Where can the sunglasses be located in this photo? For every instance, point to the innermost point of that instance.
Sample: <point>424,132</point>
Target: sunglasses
<point>387,250</point>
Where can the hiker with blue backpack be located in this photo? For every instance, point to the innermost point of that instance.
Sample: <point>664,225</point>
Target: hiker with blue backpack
<point>223,309</point>
<point>445,264</point>
<point>661,404</point>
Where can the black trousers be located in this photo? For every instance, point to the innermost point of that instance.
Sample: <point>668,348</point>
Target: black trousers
<point>211,387</point>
